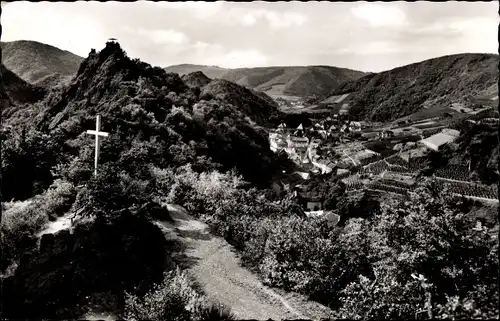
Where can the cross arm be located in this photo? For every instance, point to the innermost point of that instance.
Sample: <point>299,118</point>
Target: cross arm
<point>93,132</point>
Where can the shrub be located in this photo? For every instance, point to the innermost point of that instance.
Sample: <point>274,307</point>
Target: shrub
<point>59,198</point>
<point>363,268</point>
<point>215,312</point>
<point>173,299</point>
<point>114,191</point>
<point>27,158</point>
<point>426,236</point>
<point>84,263</point>
<point>21,221</point>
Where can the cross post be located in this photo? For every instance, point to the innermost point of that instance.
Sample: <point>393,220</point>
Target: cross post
<point>98,134</point>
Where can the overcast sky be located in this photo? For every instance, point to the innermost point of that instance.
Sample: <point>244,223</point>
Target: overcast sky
<point>360,35</point>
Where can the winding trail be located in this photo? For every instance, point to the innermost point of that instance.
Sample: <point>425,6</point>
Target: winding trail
<point>212,262</point>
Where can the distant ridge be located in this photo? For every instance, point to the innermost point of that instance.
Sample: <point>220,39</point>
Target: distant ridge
<point>302,81</point>
<point>210,71</point>
<point>405,90</point>
<point>39,64</point>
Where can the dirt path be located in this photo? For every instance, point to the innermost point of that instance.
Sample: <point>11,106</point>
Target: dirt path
<point>217,269</point>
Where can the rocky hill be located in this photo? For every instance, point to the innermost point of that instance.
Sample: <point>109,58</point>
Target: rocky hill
<point>405,90</point>
<point>157,124</point>
<point>39,63</point>
<point>137,100</point>
<point>49,66</point>
<point>280,81</point>
<point>196,79</point>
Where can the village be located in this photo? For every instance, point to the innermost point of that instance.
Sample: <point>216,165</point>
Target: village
<point>371,156</point>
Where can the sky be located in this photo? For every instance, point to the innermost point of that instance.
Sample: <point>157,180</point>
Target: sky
<point>367,36</point>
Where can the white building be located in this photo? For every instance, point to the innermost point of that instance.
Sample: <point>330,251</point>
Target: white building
<point>364,154</point>
<point>297,142</point>
<point>435,142</point>
<point>324,166</point>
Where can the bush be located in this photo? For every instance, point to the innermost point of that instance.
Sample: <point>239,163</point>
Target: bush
<point>27,158</point>
<point>363,267</point>
<point>173,299</point>
<point>426,236</point>
<point>21,221</point>
<point>59,198</point>
<point>215,312</point>
<point>114,191</point>
<point>84,263</point>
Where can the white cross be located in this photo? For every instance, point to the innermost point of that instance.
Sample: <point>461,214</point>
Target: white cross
<point>97,133</point>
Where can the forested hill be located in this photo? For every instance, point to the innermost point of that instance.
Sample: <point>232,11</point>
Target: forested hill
<point>302,81</point>
<point>258,106</point>
<point>39,63</point>
<point>153,116</point>
<point>18,90</point>
<point>402,91</point>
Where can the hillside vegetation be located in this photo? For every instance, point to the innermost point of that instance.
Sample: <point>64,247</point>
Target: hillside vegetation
<point>38,63</point>
<point>477,146</point>
<point>18,90</point>
<point>277,81</point>
<point>156,122</point>
<point>137,100</point>
<point>405,90</point>
<point>390,260</point>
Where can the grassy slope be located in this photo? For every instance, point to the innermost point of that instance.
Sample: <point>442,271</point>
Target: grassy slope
<point>38,63</point>
<point>405,90</point>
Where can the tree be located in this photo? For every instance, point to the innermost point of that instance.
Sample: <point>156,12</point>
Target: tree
<point>27,159</point>
<point>428,262</point>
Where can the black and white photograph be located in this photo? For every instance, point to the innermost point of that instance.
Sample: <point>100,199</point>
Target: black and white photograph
<point>222,160</point>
